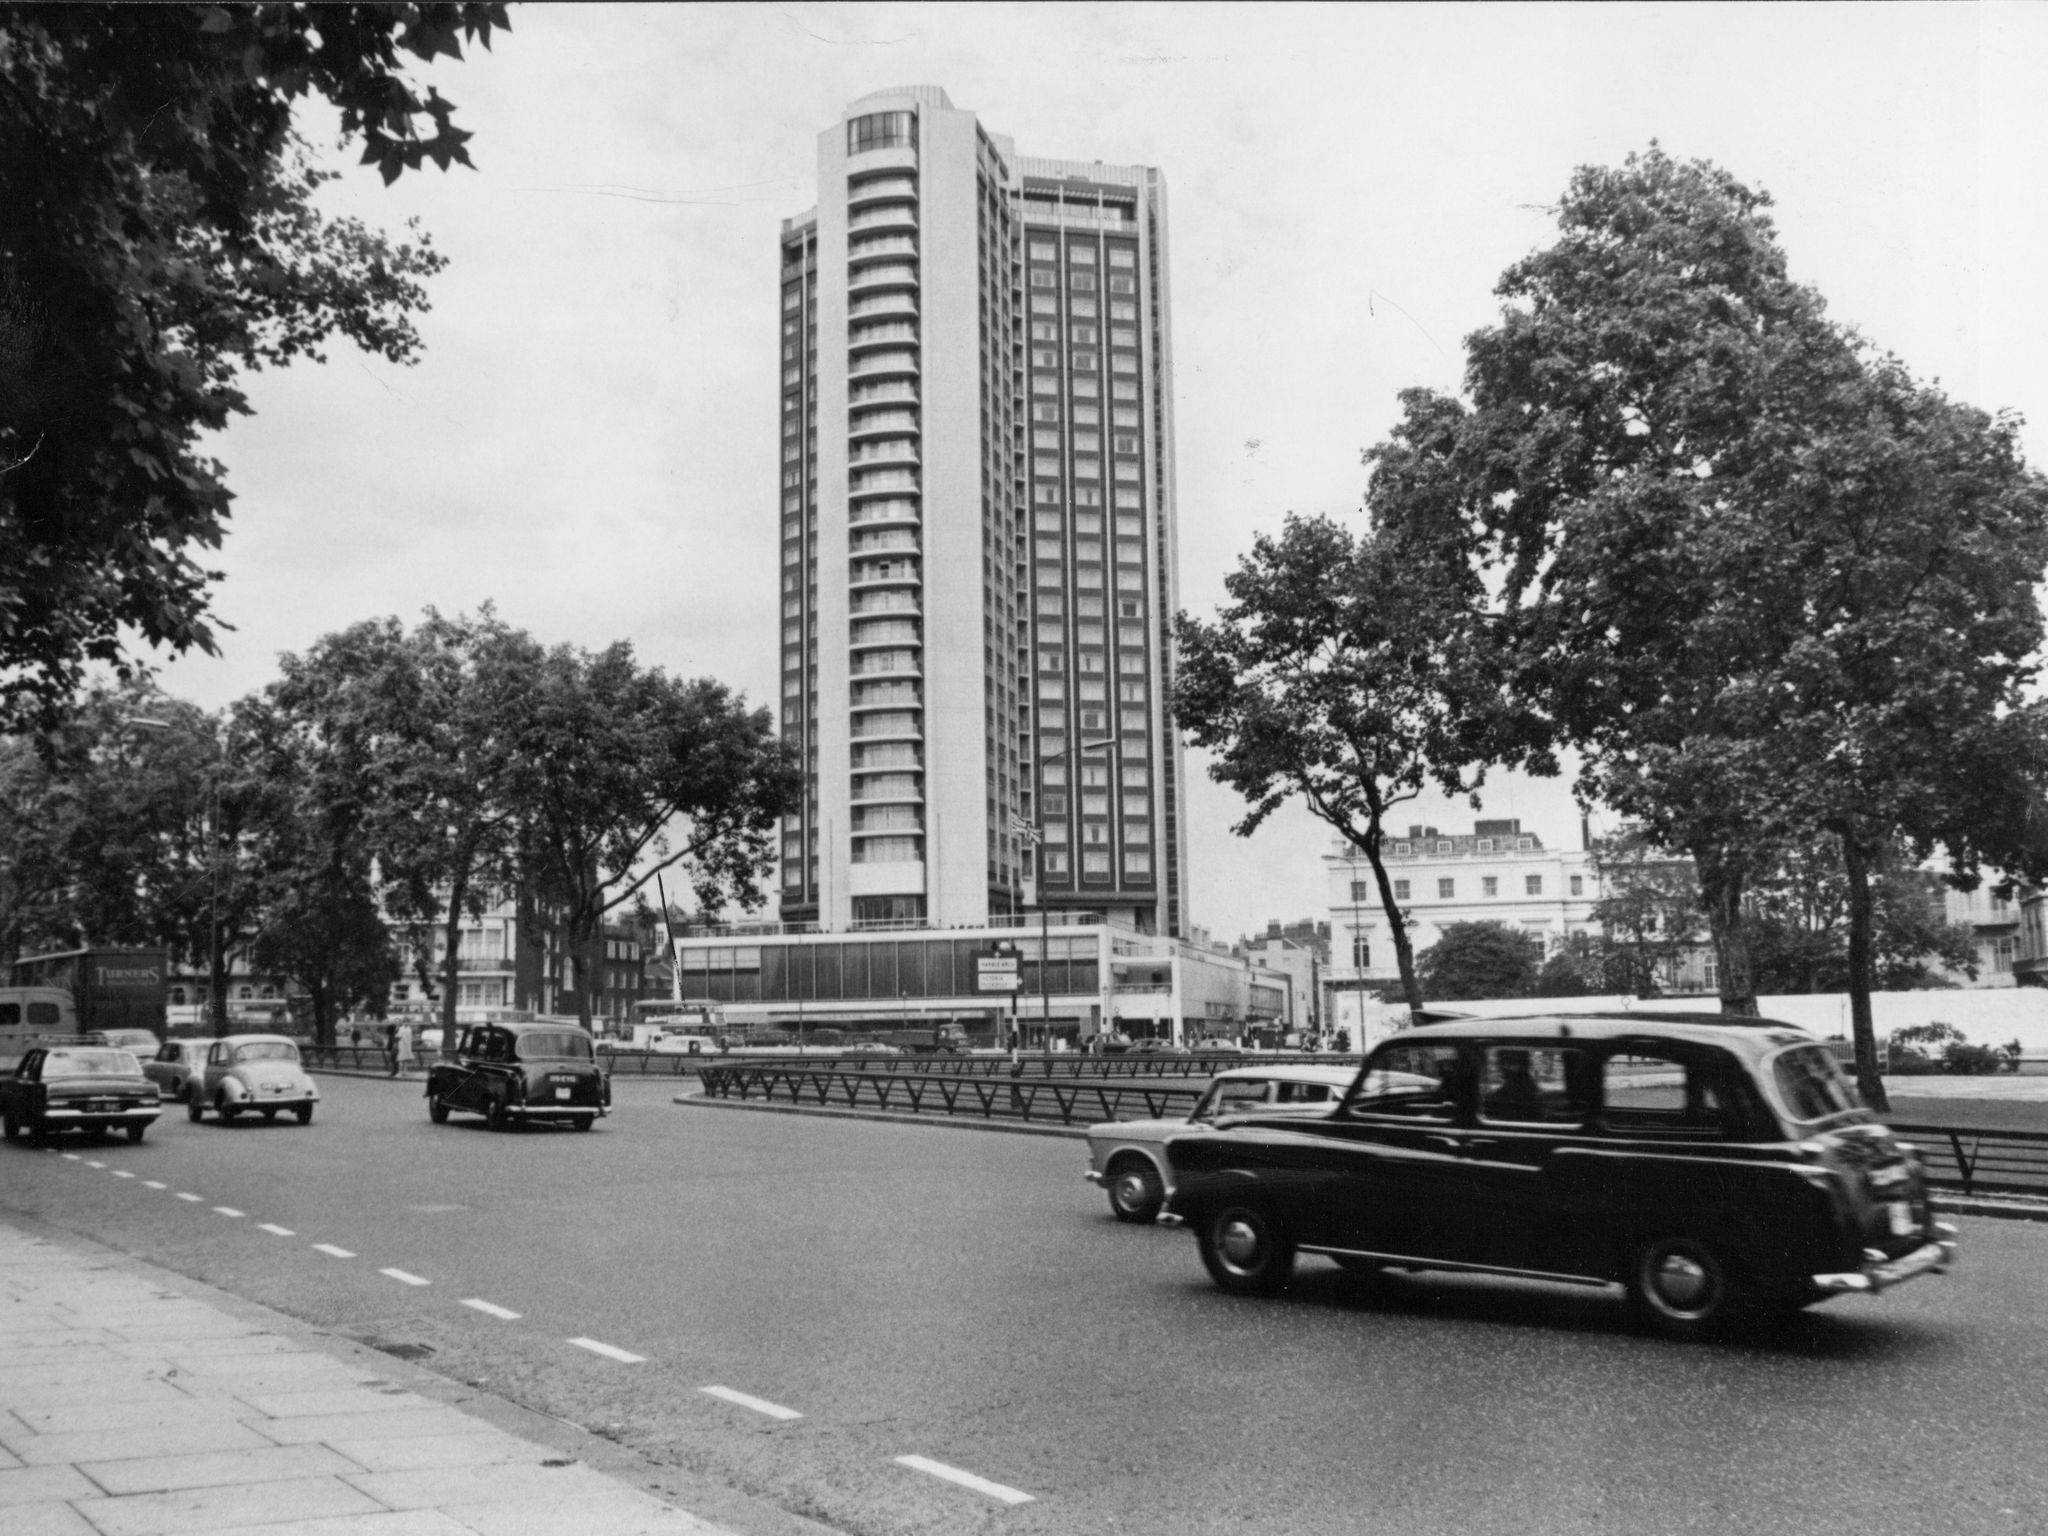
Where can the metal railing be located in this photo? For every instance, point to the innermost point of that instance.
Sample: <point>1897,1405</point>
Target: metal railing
<point>1981,1161</point>
<point>1032,1099</point>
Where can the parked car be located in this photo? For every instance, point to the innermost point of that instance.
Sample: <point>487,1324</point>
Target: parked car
<point>260,1073</point>
<point>514,1073</point>
<point>1127,1157</point>
<point>175,1067</point>
<point>1714,1171</point>
<point>77,1088</point>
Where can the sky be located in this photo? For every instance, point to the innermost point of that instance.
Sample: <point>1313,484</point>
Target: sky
<point>590,439</point>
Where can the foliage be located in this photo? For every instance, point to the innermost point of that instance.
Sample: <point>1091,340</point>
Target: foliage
<point>1799,916</point>
<point>158,240</point>
<point>1649,910</point>
<point>1918,1049</point>
<point>1480,960</point>
<point>1346,670</point>
<point>1583,965</point>
<point>623,773</point>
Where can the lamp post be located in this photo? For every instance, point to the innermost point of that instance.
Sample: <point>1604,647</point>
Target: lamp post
<point>216,980</point>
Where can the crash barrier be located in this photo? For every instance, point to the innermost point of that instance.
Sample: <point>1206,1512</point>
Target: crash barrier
<point>1040,1099</point>
<point>1068,1064</point>
<point>1981,1162</point>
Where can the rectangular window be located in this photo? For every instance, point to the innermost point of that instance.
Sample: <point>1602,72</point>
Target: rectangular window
<point>1489,885</point>
<point>1533,884</point>
<point>1578,885</point>
<point>1446,890</point>
<point>1400,890</point>
<point>1535,1086</point>
<point>1650,1092</point>
<point>1095,863</point>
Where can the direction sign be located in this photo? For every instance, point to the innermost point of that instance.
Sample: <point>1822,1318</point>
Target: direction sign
<point>996,973</point>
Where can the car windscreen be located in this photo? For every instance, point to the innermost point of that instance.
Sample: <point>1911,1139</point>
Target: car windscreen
<point>267,1050</point>
<point>1810,1085</point>
<point>90,1064</point>
<point>551,1045</point>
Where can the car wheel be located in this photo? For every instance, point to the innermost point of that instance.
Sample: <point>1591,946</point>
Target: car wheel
<point>1680,1287</point>
<point>305,1113</point>
<point>10,1128</point>
<point>1245,1253</point>
<point>224,1109</point>
<point>194,1110</point>
<point>584,1122</point>
<point>495,1116</point>
<point>270,1113</point>
<point>1135,1190</point>
<point>135,1132</point>
<point>437,1112</point>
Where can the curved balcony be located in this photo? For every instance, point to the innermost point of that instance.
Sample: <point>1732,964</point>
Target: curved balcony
<point>865,249</point>
<point>876,276</point>
<point>883,157</point>
<point>886,603</point>
<point>882,482</point>
<point>890,304</point>
<point>869,421</point>
<point>894,363</point>
<point>893,512</point>
<point>862,797</point>
<point>884,392</point>
<point>884,633</point>
<point>899,702</point>
<point>899,542</point>
<point>869,334</point>
<point>891,187</point>
<point>880,575</point>
<point>893,725</point>
<point>898,451</point>
<point>883,219</point>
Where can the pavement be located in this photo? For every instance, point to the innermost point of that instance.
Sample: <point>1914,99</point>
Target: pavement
<point>138,1403</point>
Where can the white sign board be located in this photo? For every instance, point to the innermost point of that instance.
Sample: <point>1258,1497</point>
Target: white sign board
<point>997,973</point>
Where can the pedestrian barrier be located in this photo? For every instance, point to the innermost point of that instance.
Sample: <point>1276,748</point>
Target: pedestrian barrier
<point>1039,1098</point>
<point>1981,1162</point>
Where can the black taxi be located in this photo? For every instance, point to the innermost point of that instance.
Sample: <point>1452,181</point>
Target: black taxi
<point>514,1073</point>
<point>1715,1170</point>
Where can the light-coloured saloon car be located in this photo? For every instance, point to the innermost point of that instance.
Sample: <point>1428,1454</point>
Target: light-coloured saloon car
<point>1126,1157</point>
<point>175,1065</point>
<point>258,1073</point>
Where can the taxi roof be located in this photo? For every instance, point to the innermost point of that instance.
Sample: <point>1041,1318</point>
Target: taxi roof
<point>1747,1037</point>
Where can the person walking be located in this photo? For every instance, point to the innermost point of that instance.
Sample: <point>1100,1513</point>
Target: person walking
<point>391,1049</point>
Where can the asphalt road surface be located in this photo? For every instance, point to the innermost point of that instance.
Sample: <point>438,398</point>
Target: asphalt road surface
<point>965,1301</point>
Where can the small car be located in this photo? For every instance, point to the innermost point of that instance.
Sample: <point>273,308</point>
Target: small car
<point>260,1073</point>
<point>1127,1157</point>
<point>518,1073</point>
<point>1715,1170</point>
<point>77,1088</point>
<point>175,1066</point>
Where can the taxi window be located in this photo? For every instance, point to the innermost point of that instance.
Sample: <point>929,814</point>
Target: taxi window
<point>1811,1085</point>
<point>554,1044</point>
<point>1644,1091</point>
<point>1414,1082</point>
<point>1301,1093</point>
<point>1235,1096</point>
<point>1534,1085</point>
<point>170,1051</point>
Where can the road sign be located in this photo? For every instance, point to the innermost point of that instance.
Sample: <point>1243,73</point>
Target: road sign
<point>997,973</point>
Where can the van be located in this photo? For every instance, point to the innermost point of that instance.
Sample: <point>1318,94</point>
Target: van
<point>27,1014</point>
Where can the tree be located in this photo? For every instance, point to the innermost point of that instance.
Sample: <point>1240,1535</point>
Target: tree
<point>1481,960</point>
<point>1800,918</point>
<point>1346,670</point>
<point>421,731</point>
<point>38,825</point>
<point>623,773</point>
<point>159,240</point>
<point>1583,965</point>
<point>1649,908</point>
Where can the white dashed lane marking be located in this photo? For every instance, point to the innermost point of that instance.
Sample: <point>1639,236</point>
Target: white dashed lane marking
<point>759,1405</point>
<point>964,1479</point>
<point>609,1351</point>
<point>331,1251</point>
<point>404,1278</point>
<point>491,1309</point>
<point>195,1199</point>
<point>154,1184</point>
<point>229,1211</point>
<point>91,1164</point>
<point>72,1157</point>
<point>274,1230</point>
<point>123,1173</point>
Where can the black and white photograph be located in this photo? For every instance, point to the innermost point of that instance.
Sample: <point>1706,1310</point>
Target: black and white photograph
<point>921,769</point>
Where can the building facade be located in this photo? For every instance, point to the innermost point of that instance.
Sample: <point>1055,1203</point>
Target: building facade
<point>977,514</point>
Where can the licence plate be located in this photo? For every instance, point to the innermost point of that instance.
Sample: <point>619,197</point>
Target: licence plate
<point>95,1106</point>
<point>1902,1218</point>
<point>562,1093</point>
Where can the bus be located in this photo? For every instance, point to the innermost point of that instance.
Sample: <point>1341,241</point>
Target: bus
<point>679,1029</point>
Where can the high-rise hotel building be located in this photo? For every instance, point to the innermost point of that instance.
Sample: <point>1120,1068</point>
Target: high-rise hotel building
<point>977,506</point>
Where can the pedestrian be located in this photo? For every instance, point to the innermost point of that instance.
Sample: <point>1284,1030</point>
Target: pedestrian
<point>408,1050</point>
<point>355,1037</point>
<point>391,1049</point>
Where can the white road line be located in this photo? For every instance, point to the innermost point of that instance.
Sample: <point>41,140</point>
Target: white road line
<point>229,1211</point>
<point>123,1173</point>
<point>491,1309</point>
<point>154,1184</point>
<point>195,1199</point>
<point>332,1251</point>
<point>91,1164</point>
<point>72,1157</point>
<point>405,1278</point>
<point>609,1351</point>
<point>964,1479</point>
<point>275,1230</point>
<point>759,1405</point>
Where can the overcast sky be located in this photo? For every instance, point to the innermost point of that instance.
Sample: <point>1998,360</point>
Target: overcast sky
<point>591,439</point>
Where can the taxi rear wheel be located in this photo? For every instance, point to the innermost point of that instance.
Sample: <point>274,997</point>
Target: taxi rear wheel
<point>1245,1253</point>
<point>1681,1287</point>
<point>270,1112</point>
<point>305,1114</point>
<point>584,1122</point>
<point>495,1116</point>
<point>11,1127</point>
<point>135,1132</point>
<point>437,1112</point>
<point>1135,1190</point>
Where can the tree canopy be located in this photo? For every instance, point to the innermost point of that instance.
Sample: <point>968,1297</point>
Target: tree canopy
<point>159,240</point>
<point>1481,960</point>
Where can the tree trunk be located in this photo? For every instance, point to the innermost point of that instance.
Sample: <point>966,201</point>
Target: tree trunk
<point>451,972</point>
<point>1856,865</point>
<point>323,1026</point>
<point>217,981</point>
<point>586,935</point>
<point>1404,952</point>
<point>1721,884</point>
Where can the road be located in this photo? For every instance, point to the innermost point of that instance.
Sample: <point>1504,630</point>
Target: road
<point>917,1291</point>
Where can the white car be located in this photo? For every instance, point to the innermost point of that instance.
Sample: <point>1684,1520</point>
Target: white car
<point>1127,1157</point>
<point>257,1073</point>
